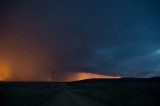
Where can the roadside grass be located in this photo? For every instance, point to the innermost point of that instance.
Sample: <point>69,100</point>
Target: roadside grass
<point>120,94</point>
<point>26,96</point>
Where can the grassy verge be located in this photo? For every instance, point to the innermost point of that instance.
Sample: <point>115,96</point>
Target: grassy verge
<point>120,94</point>
<point>25,96</point>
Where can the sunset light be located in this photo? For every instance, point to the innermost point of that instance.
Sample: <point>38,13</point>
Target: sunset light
<point>4,72</point>
<point>79,52</point>
<point>85,75</point>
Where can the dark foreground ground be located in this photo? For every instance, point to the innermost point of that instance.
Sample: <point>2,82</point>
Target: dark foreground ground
<point>94,92</point>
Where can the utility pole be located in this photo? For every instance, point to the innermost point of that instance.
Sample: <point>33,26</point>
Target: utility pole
<point>53,75</point>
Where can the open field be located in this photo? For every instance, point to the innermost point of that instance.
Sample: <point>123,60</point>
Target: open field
<point>26,94</point>
<point>121,92</point>
<point>113,92</point>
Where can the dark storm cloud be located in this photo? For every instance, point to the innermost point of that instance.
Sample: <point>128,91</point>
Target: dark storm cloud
<point>114,37</point>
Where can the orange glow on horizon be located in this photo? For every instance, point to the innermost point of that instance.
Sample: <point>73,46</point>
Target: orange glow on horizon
<point>84,75</point>
<point>4,72</point>
<point>7,73</point>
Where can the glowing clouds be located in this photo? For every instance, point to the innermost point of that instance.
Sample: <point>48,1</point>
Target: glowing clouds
<point>4,71</point>
<point>84,75</point>
<point>23,59</point>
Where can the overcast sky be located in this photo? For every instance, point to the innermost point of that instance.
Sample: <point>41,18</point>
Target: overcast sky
<point>110,37</point>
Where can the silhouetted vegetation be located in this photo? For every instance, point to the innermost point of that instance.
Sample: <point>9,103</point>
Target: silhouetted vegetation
<point>113,92</point>
<point>121,92</point>
<point>26,94</point>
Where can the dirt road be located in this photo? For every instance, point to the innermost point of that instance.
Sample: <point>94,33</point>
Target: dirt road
<point>68,98</point>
